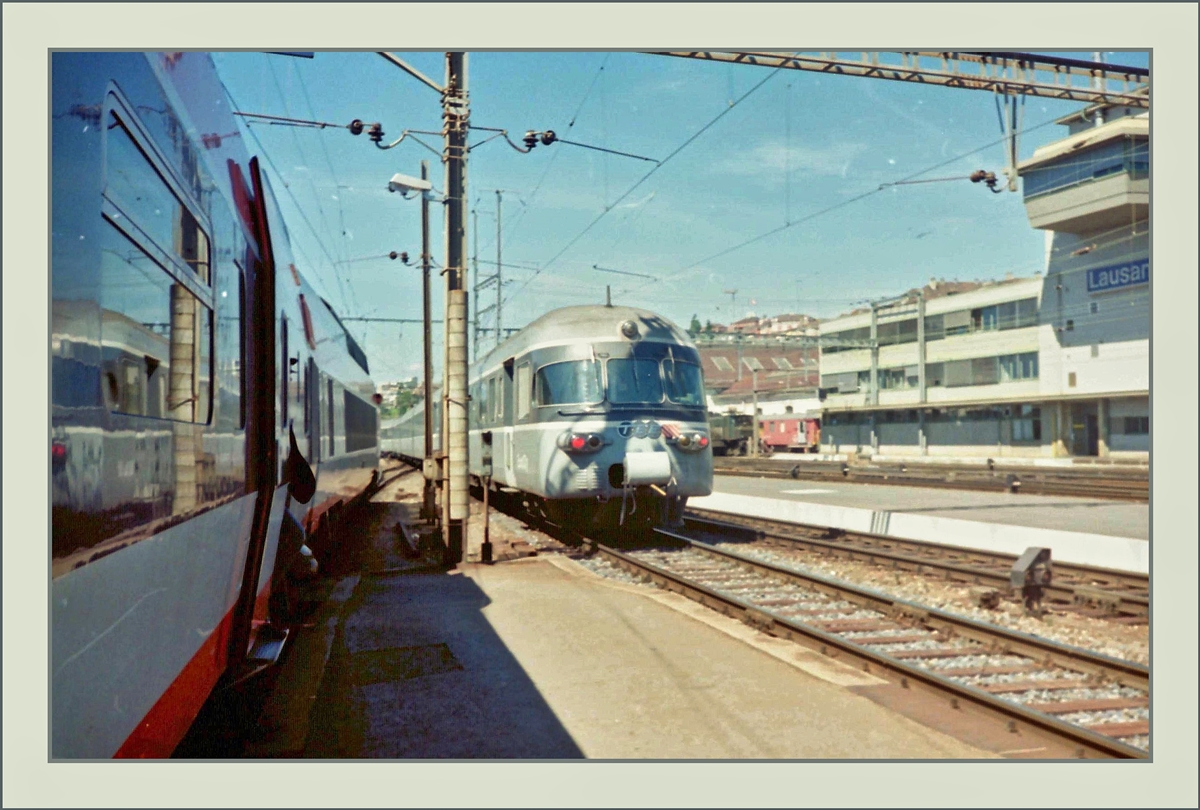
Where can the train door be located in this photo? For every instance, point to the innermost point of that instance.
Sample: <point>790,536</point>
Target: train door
<point>506,418</point>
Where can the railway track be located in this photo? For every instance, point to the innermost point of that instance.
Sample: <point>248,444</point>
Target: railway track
<point>1031,480</point>
<point>1096,592</point>
<point>1059,701</point>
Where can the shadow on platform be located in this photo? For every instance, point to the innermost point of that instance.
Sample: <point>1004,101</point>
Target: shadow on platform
<point>417,672</point>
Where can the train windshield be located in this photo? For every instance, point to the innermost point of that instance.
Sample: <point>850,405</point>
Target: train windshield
<point>634,379</point>
<point>684,383</point>
<point>576,382</point>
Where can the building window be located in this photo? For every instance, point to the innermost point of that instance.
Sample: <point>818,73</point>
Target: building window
<point>1017,314</point>
<point>781,363</point>
<point>985,370</point>
<point>933,375</point>
<point>1129,154</point>
<point>1015,367</point>
<point>1137,425</point>
<point>1027,423</point>
<point>985,319</point>
<point>890,378</point>
<point>753,363</point>
<point>722,364</point>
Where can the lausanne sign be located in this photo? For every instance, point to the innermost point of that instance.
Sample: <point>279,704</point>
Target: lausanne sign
<point>1101,279</point>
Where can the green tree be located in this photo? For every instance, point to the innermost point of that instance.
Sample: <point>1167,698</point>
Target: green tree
<point>694,328</point>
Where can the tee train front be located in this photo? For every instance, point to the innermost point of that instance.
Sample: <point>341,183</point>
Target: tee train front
<point>595,412</point>
<point>186,352</point>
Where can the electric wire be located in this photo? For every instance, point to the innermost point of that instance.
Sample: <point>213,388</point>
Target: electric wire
<point>650,173</point>
<point>286,186</point>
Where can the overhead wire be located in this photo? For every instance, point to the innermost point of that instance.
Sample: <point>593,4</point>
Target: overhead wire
<point>311,183</point>
<point>842,204</point>
<point>508,232</point>
<point>286,186</point>
<point>647,175</point>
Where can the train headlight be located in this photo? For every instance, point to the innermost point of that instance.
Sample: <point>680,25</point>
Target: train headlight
<point>690,442</point>
<point>581,442</point>
<point>630,330</point>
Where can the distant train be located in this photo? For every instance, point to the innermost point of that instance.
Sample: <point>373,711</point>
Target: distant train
<point>790,434</point>
<point>208,410</point>
<point>595,413</point>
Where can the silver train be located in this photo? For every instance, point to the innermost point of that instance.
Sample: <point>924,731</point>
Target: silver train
<point>595,413</point>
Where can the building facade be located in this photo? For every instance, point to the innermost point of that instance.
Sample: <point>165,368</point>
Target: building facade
<point>1051,366</point>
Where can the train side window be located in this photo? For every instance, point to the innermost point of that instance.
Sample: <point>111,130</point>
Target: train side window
<point>481,403</point>
<point>155,335</point>
<point>136,182</point>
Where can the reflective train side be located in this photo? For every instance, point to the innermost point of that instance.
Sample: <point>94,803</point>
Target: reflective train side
<point>186,352</point>
<point>598,412</point>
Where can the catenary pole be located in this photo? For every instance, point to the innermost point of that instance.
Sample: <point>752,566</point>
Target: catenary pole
<point>455,124</point>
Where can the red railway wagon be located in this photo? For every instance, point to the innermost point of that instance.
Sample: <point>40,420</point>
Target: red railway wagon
<point>792,434</point>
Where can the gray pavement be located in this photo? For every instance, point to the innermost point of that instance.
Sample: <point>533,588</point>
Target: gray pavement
<point>1092,515</point>
<point>534,659</point>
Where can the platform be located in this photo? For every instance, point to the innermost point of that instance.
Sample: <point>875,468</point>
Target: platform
<point>541,659</point>
<point>1089,531</point>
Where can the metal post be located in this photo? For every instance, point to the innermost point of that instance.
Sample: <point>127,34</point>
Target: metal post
<point>455,124</point>
<point>754,410</point>
<point>922,386</point>
<point>499,268</point>
<point>475,265</point>
<point>428,505</point>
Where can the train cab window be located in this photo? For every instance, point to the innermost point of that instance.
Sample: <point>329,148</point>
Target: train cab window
<point>684,382</point>
<point>574,382</point>
<point>522,389</point>
<point>493,401</point>
<point>634,379</point>
<point>156,337</point>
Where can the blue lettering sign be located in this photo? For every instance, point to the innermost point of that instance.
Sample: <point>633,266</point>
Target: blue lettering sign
<point>1102,279</point>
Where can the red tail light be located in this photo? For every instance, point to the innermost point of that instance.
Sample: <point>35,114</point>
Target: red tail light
<point>58,454</point>
<point>581,442</point>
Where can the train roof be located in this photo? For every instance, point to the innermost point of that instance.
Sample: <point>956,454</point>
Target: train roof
<point>589,323</point>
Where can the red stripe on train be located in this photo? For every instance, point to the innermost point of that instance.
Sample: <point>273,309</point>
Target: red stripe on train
<point>165,725</point>
<point>169,719</point>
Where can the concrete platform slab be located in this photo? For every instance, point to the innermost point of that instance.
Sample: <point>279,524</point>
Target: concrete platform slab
<point>533,660</point>
<point>880,513</point>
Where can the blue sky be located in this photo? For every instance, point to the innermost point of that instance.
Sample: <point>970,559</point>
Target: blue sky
<point>797,145</point>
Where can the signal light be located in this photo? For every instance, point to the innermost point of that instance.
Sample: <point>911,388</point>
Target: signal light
<point>58,453</point>
<point>578,442</point>
<point>701,440</point>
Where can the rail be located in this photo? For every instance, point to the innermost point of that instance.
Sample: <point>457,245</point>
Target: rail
<point>852,624</point>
